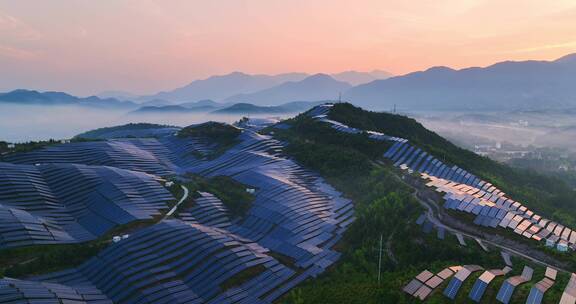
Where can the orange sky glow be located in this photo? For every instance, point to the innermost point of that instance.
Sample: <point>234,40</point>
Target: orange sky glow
<point>142,46</point>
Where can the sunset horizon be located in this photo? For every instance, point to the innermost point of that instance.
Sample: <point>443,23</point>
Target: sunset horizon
<point>146,46</point>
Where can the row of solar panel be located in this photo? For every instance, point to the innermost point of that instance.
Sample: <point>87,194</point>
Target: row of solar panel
<point>207,210</point>
<point>426,282</point>
<point>502,212</point>
<point>63,203</point>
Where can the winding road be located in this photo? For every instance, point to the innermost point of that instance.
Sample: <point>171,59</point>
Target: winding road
<point>431,215</point>
<point>184,197</point>
<point>432,218</point>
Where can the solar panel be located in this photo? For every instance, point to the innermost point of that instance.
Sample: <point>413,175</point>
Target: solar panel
<point>569,294</point>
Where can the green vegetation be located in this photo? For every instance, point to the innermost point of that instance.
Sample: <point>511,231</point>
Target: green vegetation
<point>548,196</point>
<point>27,146</point>
<point>4,147</point>
<point>217,131</point>
<point>243,277</point>
<point>233,194</point>
<point>33,145</point>
<point>34,260</point>
<point>224,136</point>
<point>97,133</point>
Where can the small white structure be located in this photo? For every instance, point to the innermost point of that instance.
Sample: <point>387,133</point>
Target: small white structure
<point>251,190</point>
<point>125,236</point>
<point>11,146</point>
<point>169,184</point>
<point>550,243</point>
<point>37,164</point>
<point>562,246</point>
<point>116,238</point>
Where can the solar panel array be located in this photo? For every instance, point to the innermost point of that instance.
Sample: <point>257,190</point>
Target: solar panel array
<point>19,291</point>
<point>424,283</point>
<point>459,278</point>
<point>207,210</point>
<point>428,226</point>
<point>537,292</point>
<point>175,262</point>
<point>569,294</point>
<point>483,281</point>
<point>507,289</point>
<point>464,191</point>
<point>67,203</point>
<point>496,210</point>
<point>295,214</point>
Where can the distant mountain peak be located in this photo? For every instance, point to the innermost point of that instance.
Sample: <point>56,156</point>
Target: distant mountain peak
<point>32,97</point>
<point>568,58</point>
<point>319,77</point>
<point>440,69</point>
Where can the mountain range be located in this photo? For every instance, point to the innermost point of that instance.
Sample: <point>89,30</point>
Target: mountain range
<point>506,85</point>
<point>30,97</point>
<point>237,84</point>
<point>220,87</point>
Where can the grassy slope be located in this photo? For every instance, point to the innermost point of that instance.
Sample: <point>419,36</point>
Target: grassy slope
<point>384,205</point>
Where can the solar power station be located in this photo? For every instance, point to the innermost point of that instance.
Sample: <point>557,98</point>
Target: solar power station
<point>464,191</point>
<point>77,191</point>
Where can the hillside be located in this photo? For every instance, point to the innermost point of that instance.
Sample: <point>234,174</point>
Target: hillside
<point>386,204</point>
<point>503,86</point>
<point>549,194</point>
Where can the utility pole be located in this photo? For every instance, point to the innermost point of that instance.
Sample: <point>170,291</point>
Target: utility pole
<point>339,97</point>
<point>380,259</point>
<point>394,108</point>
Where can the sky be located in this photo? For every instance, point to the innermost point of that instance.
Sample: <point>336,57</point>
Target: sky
<point>142,46</point>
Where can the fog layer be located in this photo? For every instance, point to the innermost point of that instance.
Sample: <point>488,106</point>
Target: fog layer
<point>26,123</point>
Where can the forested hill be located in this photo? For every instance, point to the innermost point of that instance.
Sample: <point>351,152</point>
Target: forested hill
<point>387,207</point>
<point>550,196</point>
